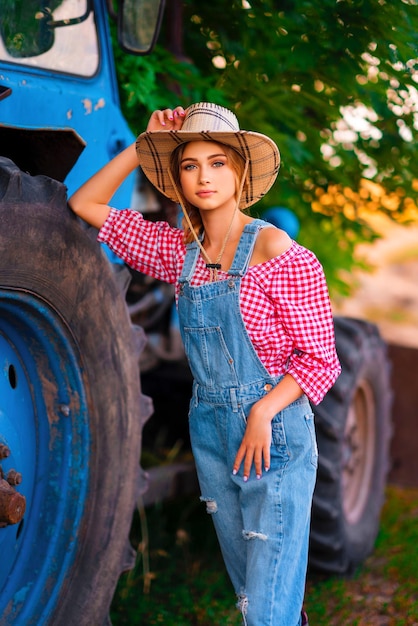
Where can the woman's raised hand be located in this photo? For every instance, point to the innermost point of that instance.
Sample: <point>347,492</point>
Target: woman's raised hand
<point>168,119</point>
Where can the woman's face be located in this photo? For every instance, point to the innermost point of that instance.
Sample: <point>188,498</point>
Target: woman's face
<point>207,179</point>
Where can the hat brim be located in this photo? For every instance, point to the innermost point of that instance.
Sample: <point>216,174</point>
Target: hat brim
<point>154,150</point>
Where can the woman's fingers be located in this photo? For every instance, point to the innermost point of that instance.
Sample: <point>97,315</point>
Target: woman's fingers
<point>252,456</point>
<point>166,119</point>
<point>248,461</point>
<point>239,459</point>
<point>255,445</point>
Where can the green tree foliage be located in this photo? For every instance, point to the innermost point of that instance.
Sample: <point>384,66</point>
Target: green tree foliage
<point>332,82</point>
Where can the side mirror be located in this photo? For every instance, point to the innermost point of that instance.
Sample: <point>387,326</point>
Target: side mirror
<point>139,24</point>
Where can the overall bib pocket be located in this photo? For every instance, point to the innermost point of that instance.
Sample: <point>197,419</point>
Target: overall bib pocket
<point>205,347</point>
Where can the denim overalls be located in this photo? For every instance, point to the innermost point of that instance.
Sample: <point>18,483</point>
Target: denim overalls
<point>262,525</point>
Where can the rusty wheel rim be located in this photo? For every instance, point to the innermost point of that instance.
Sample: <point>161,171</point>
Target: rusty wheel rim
<point>44,426</point>
<point>358,453</point>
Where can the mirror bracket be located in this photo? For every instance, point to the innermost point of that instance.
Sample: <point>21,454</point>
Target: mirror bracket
<point>45,13</point>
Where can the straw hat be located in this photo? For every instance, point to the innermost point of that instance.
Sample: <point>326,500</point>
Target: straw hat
<point>210,122</point>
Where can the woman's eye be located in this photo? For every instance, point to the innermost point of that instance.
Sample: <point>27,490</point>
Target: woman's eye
<point>189,167</point>
<point>218,163</point>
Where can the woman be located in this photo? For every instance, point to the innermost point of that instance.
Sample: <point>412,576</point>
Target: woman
<point>257,328</point>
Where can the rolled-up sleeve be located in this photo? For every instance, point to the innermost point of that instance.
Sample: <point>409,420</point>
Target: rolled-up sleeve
<point>301,295</point>
<point>153,248</point>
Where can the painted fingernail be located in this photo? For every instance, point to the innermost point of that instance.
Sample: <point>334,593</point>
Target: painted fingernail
<point>171,118</point>
<point>266,469</point>
<point>234,471</point>
<point>245,478</point>
<point>258,476</point>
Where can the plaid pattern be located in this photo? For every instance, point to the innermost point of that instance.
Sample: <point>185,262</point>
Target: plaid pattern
<point>284,301</point>
<point>209,122</point>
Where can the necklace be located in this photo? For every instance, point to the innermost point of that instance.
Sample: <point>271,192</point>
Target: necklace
<point>215,267</point>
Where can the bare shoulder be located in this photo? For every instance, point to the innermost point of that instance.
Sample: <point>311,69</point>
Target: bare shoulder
<point>271,242</point>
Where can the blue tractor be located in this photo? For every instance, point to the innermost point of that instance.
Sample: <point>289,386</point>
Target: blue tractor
<point>71,406</point>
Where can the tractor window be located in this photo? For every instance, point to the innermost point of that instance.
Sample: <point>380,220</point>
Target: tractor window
<point>35,36</point>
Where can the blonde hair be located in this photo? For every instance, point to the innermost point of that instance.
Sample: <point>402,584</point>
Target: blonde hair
<point>234,160</point>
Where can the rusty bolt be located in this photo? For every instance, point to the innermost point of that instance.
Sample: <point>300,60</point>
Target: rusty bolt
<point>4,451</point>
<point>13,477</point>
<point>12,504</point>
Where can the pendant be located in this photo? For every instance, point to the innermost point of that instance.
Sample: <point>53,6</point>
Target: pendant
<point>213,270</point>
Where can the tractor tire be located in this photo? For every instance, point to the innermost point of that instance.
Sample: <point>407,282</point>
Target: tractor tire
<point>353,431</point>
<point>71,411</point>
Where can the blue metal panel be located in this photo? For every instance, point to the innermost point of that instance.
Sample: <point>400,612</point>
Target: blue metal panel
<point>90,105</point>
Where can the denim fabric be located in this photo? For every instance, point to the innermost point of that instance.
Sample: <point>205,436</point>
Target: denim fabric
<point>262,525</point>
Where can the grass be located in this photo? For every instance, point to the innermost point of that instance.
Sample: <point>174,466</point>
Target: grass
<point>187,584</point>
<point>187,581</point>
<point>384,591</point>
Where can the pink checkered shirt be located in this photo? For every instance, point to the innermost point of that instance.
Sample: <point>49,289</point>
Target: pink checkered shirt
<point>284,301</point>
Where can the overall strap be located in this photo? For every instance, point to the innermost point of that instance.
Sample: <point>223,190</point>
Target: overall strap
<point>245,247</point>
<point>192,255</point>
